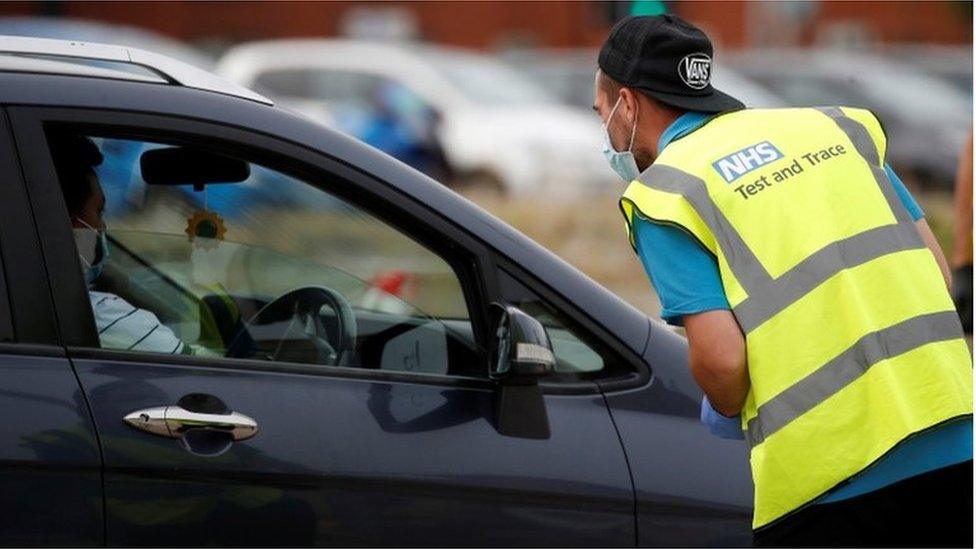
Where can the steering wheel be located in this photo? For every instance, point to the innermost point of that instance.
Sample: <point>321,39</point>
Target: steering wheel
<point>301,307</point>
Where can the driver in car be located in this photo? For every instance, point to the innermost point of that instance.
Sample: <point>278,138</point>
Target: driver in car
<point>120,325</point>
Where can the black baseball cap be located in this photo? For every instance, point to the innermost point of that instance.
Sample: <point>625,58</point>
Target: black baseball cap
<point>666,58</point>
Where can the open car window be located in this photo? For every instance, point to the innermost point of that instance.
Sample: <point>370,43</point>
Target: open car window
<point>233,259</point>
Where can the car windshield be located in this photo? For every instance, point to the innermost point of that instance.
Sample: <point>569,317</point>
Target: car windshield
<point>920,98</point>
<point>913,97</point>
<point>802,90</point>
<point>487,81</point>
<point>961,80</point>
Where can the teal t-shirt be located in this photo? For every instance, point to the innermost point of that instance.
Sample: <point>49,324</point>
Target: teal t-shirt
<point>687,280</point>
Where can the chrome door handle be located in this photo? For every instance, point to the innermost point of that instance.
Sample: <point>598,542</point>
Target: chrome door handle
<point>174,421</point>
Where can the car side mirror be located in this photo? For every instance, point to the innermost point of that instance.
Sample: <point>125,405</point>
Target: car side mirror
<point>521,354</point>
<point>521,351</point>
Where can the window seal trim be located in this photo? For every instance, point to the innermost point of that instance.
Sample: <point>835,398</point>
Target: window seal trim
<point>31,349</point>
<point>297,368</point>
<point>280,367</point>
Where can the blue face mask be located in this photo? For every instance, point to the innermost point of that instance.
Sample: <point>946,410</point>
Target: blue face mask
<point>92,251</point>
<point>621,162</point>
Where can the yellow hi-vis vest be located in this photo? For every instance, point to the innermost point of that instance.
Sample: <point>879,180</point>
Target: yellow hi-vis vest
<point>852,340</point>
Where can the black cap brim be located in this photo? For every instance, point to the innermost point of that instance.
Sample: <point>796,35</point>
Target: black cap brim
<point>715,102</point>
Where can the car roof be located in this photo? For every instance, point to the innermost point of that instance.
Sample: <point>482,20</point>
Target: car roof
<point>621,319</point>
<point>75,67</point>
<point>834,63</point>
<point>245,62</point>
<point>311,52</point>
<point>305,49</point>
<point>173,71</point>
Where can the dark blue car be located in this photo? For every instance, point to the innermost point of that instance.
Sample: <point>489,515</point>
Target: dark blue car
<point>379,362</point>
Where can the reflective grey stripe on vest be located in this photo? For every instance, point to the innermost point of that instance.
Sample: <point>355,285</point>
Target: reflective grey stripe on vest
<point>820,266</point>
<point>744,264</point>
<point>767,296</point>
<point>846,367</point>
<point>862,141</point>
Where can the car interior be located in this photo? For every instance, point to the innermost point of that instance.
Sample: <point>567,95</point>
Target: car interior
<point>180,252</point>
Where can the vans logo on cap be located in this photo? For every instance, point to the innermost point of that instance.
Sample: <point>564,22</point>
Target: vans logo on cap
<point>694,70</point>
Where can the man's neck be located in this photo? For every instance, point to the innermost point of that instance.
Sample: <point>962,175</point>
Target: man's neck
<point>653,128</point>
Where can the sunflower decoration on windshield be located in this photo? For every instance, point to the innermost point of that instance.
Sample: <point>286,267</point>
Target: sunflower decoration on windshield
<point>206,229</point>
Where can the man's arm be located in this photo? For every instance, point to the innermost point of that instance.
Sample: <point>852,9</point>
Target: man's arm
<point>933,244</point>
<point>123,326</point>
<point>689,286</point>
<point>963,248</point>
<point>717,356</point>
<point>918,217</point>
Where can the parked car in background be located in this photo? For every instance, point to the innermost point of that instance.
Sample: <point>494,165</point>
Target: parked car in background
<point>496,127</point>
<point>105,33</point>
<point>569,74</point>
<point>951,64</point>
<point>382,363</point>
<point>926,119</point>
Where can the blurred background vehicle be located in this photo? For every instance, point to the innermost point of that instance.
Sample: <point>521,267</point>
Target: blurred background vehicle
<point>949,63</point>
<point>445,111</point>
<point>105,33</point>
<point>569,74</point>
<point>927,119</point>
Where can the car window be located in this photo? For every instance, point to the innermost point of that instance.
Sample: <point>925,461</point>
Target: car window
<point>253,263</point>
<point>331,86</point>
<point>579,354</point>
<point>337,88</point>
<point>806,90</point>
<point>284,83</point>
<point>486,81</point>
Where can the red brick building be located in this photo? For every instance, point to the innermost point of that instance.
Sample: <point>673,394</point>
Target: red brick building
<point>561,23</point>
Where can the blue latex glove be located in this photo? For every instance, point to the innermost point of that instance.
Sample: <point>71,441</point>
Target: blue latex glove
<point>719,425</point>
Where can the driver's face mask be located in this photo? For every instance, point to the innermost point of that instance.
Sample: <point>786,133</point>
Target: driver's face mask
<point>92,250</point>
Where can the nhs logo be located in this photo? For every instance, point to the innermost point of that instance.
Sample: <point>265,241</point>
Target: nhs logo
<point>742,162</point>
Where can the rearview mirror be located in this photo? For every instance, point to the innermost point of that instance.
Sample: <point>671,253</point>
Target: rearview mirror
<point>191,166</point>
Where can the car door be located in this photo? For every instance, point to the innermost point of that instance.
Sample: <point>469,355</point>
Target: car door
<point>50,467</point>
<point>396,446</point>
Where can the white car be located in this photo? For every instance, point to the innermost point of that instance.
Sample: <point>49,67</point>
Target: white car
<point>569,74</point>
<point>495,127</point>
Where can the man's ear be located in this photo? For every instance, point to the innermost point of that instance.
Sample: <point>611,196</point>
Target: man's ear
<point>630,104</point>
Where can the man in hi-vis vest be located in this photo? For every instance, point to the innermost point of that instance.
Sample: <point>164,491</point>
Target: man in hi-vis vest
<point>814,296</point>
